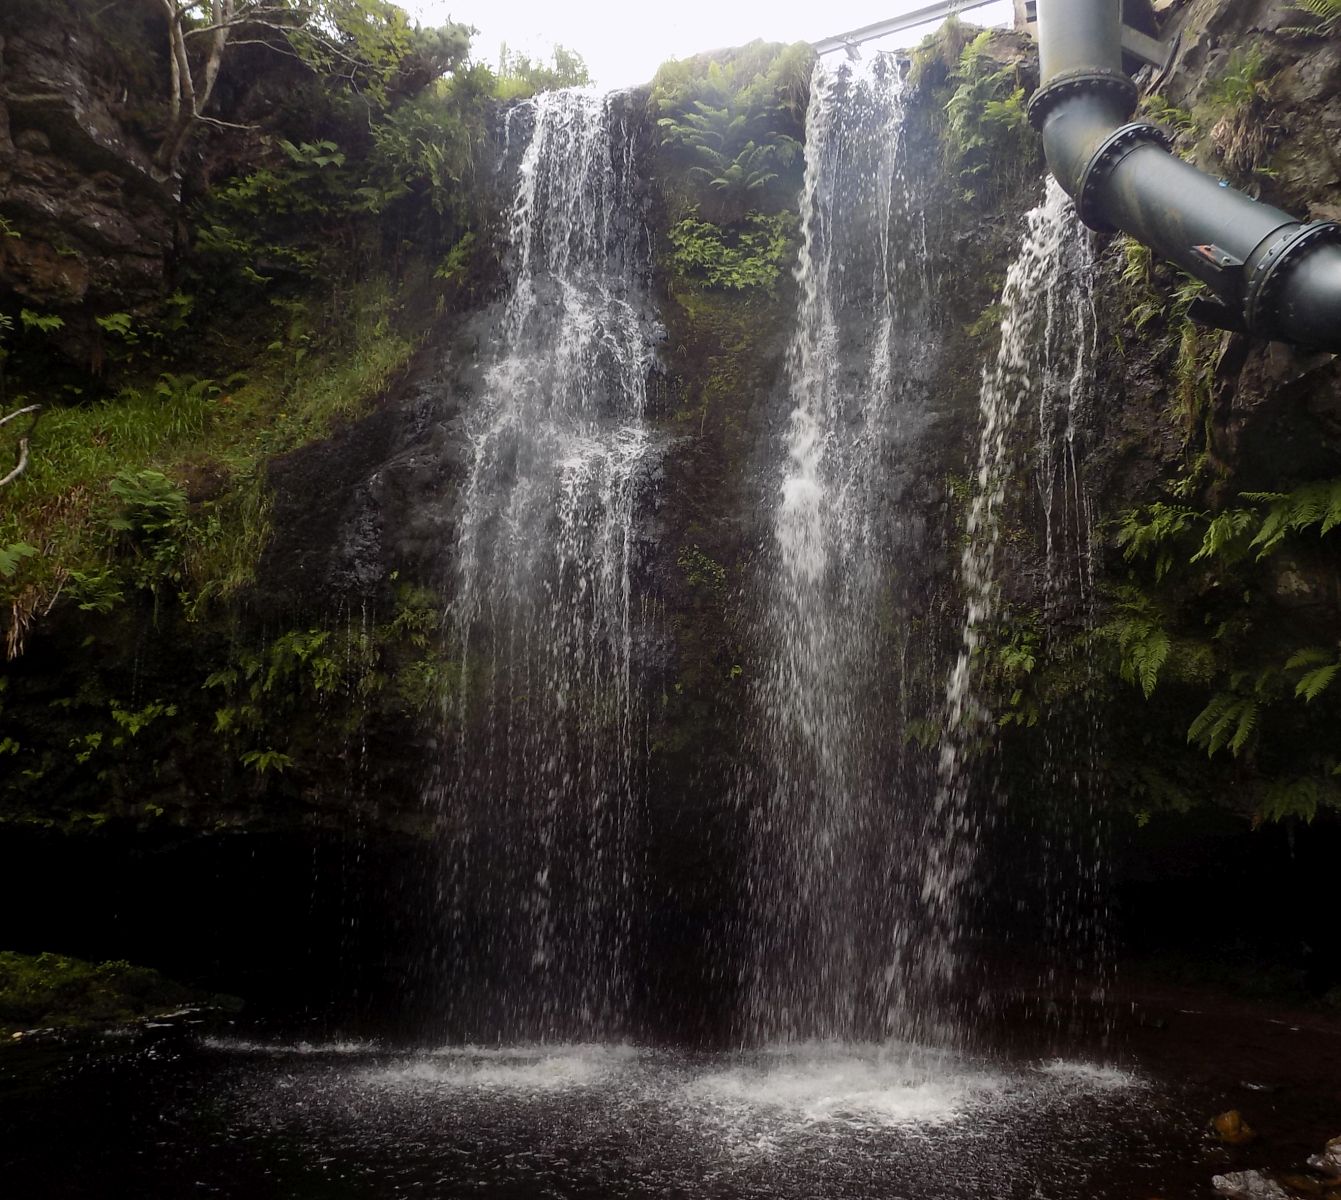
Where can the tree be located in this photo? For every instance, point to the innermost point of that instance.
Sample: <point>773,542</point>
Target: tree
<point>368,44</point>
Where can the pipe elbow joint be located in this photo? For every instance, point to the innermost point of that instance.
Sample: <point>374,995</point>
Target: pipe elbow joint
<point>1292,287</point>
<point>1274,277</point>
<point>1084,120</point>
<point>1116,86</point>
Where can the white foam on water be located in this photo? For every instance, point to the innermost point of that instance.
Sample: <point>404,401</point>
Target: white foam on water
<point>1090,1078</point>
<point>230,1045</point>
<point>513,1069</point>
<point>871,1086</point>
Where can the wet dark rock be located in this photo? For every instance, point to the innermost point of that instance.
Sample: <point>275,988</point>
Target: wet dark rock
<point>76,176</point>
<point>1329,1161</point>
<point>1249,1185</point>
<point>1232,1129</point>
<point>378,496</point>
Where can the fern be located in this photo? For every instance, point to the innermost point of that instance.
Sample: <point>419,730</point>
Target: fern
<point>1294,512</point>
<point>1242,82</point>
<point>1155,532</point>
<point>1299,796</point>
<point>1145,782</point>
<point>1316,681</point>
<point>1327,13</point>
<point>1159,110</point>
<point>1226,534</point>
<point>266,760</point>
<point>986,128</point>
<point>1142,642</point>
<point>13,554</point>
<point>1227,720</point>
<point>1319,668</point>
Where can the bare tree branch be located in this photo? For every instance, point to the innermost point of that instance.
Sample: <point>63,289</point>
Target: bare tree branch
<point>225,124</point>
<point>18,412</point>
<point>22,463</point>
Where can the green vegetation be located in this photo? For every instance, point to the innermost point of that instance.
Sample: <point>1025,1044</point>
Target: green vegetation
<point>254,716</point>
<point>730,163</point>
<point>1235,109</point>
<point>1177,120</point>
<point>360,187</point>
<point>700,571</point>
<point>1229,128</point>
<point>729,169</point>
<point>52,991</point>
<point>987,142</point>
<point>1159,301</point>
<point>751,254</point>
<point>1208,630</point>
<point>1326,16</point>
<point>988,139</point>
<point>72,502</point>
<point>518,77</point>
<point>351,218</point>
<point>1011,659</point>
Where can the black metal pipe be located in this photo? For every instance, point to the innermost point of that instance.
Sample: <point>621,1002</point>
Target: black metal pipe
<point>1274,276</point>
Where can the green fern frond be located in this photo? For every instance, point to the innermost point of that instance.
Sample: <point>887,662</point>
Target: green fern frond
<point>1227,721</point>
<point>1142,642</point>
<point>1207,725</point>
<point>1315,682</point>
<point>1326,12</point>
<point>1225,534</point>
<point>1243,729</point>
<point>1310,656</point>
<point>1319,666</point>
<point>1286,798</point>
<point>1295,512</point>
<point>1154,532</point>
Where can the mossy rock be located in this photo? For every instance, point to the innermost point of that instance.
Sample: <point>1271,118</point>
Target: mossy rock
<point>55,991</point>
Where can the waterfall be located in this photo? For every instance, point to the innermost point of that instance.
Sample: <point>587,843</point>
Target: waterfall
<point>1045,359</point>
<point>830,861</point>
<point>540,802</point>
<point>1073,834</point>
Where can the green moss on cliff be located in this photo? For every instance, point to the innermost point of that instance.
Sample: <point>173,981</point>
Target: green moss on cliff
<point>211,436</point>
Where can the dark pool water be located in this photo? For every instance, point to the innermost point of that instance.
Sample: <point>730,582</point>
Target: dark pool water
<point>230,1116</point>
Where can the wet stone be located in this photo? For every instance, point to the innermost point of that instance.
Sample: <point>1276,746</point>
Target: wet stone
<point>1249,1185</point>
<point>1329,1161</point>
<point>1232,1129</point>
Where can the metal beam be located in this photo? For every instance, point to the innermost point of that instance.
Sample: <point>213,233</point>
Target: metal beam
<point>1147,49</point>
<point>922,15</point>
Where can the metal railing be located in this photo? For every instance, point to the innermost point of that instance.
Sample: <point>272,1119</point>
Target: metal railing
<point>924,14</point>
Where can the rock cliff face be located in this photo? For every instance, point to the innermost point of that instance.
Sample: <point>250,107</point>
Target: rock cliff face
<point>98,231</point>
<point>364,515</point>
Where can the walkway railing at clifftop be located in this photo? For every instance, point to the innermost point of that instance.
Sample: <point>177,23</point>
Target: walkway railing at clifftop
<point>924,14</point>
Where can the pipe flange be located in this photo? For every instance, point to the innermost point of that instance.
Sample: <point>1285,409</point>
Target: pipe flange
<point>1077,83</point>
<point>1266,282</point>
<point>1103,162</point>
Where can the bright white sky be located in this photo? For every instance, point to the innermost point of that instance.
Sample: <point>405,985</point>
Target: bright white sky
<point>623,44</point>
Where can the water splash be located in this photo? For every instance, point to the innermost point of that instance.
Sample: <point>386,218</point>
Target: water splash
<point>544,789</point>
<point>826,874</point>
<point>1045,357</point>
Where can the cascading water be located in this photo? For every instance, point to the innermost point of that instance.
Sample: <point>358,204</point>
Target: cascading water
<point>1045,359</point>
<point>1072,841</point>
<point>829,869</point>
<point>540,800</point>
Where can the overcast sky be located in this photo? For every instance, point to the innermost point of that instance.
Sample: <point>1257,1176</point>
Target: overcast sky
<point>623,44</point>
